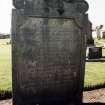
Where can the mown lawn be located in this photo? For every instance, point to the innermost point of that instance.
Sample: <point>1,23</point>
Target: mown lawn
<point>95,71</point>
<point>5,65</point>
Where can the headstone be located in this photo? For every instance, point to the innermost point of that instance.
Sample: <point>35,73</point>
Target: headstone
<point>48,51</point>
<point>98,31</point>
<point>103,35</point>
<point>90,40</point>
<point>94,52</point>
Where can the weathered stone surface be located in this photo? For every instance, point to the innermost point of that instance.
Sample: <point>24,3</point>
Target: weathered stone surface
<point>58,5</point>
<point>48,56</point>
<point>90,40</point>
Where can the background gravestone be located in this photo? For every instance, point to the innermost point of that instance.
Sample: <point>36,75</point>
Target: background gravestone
<point>95,52</point>
<point>48,48</point>
<point>90,40</point>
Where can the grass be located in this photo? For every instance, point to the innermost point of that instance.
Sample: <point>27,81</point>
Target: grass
<point>94,76</point>
<point>5,65</point>
<point>94,73</point>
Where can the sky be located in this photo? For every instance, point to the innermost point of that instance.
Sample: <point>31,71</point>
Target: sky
<point>5,16</point>
<point>96,13</point>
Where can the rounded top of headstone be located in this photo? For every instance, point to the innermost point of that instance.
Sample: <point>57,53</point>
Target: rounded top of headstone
<point>19,4</point>
<point>80,5</point>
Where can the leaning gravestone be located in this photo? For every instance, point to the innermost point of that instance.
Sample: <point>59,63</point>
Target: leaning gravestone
<point>48,38</point>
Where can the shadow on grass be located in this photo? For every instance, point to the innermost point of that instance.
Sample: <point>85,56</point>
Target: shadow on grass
<point>5,95</point>
<point>94,87</point>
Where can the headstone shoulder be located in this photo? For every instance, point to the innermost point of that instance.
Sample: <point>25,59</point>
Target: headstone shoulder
<point>80,5</point>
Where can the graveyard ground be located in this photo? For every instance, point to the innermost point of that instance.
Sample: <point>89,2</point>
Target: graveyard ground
<point>5,65</point>
<point>95,71</point>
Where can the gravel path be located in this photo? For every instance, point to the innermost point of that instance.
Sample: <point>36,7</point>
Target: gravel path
<point>94,96</point>
<point>88,97</point>
<point>6,102</point>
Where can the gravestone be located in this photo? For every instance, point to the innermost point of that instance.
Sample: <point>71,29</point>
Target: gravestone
<point>94,52</point>
<point>48,51</point>
<point>90,40</point>
<point>103,35</point>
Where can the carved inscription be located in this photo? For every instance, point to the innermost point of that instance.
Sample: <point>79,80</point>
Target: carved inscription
<point>49,57</point>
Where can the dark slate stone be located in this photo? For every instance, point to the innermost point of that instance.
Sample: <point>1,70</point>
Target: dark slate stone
<point>59,5</point>
<point>48,55</point>
<point>90,40</point>
<point>95,52</point>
